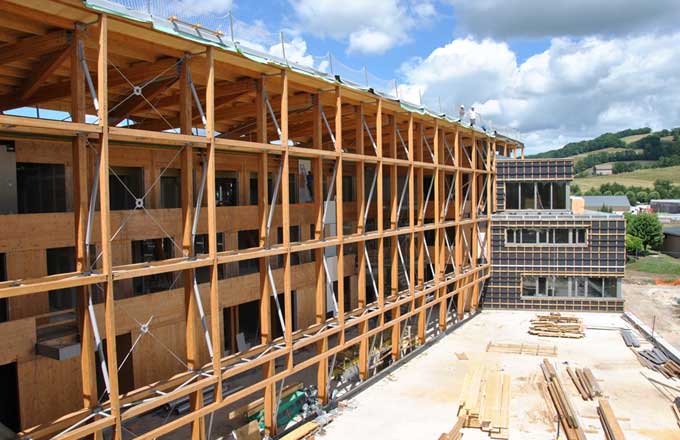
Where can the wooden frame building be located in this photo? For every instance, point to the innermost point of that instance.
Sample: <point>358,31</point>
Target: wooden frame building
<point>201,218</point>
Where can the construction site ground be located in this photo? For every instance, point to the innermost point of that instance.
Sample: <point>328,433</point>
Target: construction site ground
<point>657,305</point>
<point>419,400</point>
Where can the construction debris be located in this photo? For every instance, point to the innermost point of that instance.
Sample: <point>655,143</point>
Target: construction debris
<point>655,359</point>
<point>585,382</point>
<point>527,349</point>
<point>557,325</point>
<point>612,429</point>
<point>455,433</point>
<point>485,400</point>
<point>565,411</point>
<point>629,338</point>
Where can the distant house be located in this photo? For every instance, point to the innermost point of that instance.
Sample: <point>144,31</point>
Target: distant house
<point>669,206</point>
<point>617,204</point>
<point>671,242</point>
<point>605,169</point>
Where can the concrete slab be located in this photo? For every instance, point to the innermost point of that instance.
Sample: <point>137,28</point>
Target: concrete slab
<point>420,399</point>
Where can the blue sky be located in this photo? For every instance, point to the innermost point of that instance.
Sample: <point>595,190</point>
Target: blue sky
<point>546,72</point>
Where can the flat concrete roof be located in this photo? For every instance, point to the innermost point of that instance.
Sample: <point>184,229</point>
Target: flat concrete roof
<point>420,399</point>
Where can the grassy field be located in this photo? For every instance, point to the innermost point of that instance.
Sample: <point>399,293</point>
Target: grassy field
<point>644,178</point>
<point>633,138</point>
<point>657,264</point>
<point>604,150</point>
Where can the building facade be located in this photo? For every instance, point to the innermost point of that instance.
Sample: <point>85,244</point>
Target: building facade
<point>544,256</point>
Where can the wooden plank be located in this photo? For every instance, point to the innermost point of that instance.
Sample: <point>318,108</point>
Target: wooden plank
<point>609,422</point>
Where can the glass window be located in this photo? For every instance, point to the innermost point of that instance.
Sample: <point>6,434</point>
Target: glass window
<point>152,250</point>
<point>40,188</point>
<point>226,188</point>
<point>528,199</point>
<point>61,260</point>
<point>543,236</point>
<point>125,185</point>
<point>595,287</point>
<point>529,286</point>
<point>561,236</point>
<point>610,288</point>
<point>561,286</point>
<point>542,286</point>
<point>510,236</point>
<point>171,189</point>
<point>580,236</point>
<point>253,189</point>
<point>511,195</point>
<point>348,189</point>
<point>529,236</point>
<point>543,192</point>
<point>559,197</point>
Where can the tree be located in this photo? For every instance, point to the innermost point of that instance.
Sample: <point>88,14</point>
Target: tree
<point>653,195</point>
<point>575,189</point>
<point>647,228</point>
<point>631,197</point>
<point>633,245</point>
<point>642,196</point>
<point>607,193</point>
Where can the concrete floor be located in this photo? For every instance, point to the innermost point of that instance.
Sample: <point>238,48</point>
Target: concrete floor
<point>420,399</point>
<point>654,304</point>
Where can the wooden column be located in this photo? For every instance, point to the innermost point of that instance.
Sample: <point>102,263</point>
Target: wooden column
<point>411,210</point>
<point>438,207</point>
<point>104,215</point>
<point>319,198</point>
<point>192,318</point>
<point>339,212</point>
<point>394,255</point>
<point>88,364</point>
<point>379,210</point>
<point>458,198</point>
<point>419,202</point>
<point>474,235</point>
<point>361,245</point>
<point>285,221</point>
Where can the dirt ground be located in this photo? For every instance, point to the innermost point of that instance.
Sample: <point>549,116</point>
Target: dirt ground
<point>420,399</point>
<point>648,300</point>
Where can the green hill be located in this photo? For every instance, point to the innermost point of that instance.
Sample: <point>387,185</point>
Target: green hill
<point>629,150</point>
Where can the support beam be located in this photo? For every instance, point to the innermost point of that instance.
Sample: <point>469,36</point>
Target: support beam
<point>80,213</point>
<point>35,46</point>
<point>46,67</point>
<point>192,318</point>
<point>104,215</point>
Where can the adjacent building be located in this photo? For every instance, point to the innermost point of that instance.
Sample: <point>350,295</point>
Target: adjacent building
<point>545,256</point>
<point>615,204</point>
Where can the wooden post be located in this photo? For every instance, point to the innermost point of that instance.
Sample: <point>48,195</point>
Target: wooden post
<point>80,214</point>
<point>458,194</point>
<point>379,210</point>
<point>192,318</point>
<point>394,255</point>
<point>339,212</point>
<point>417,145</point>
<point>215,318</point>
<point>361,245</point>
<point>317,173</point>
<point>104,214</point>
<point>474,235</point>
<point>285,221</point>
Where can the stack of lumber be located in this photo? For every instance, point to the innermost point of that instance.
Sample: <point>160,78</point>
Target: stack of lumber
<point>485,400</point>
<point>304,431</point>
<point>527,349</point>
<point>676,409</point>
<point>565,411</point>
<point>655,359</point>
<point>629,338</point>
<point>557,325</point>
<point>455,433</point>
<point>612,429</point>
<point>585,382</point>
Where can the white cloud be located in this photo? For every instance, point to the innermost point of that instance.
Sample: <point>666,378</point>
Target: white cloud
<point>296,51</point>
<point>368,26</point>
<point>541,18</point>
<point>576,89</point>
<point>193,8</point>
